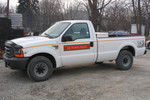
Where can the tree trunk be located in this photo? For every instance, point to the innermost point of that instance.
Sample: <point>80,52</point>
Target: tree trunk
<point>94,13</point>
<point>139,17</point>
<point>135,16</point>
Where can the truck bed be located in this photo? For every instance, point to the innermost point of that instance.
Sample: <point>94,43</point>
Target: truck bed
<point>108,48</point>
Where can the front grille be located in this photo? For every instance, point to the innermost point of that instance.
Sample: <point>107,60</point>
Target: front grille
<point>8,50</point>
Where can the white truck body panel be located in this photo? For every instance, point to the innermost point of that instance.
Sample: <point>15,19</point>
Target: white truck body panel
<point>35,45</point>
<point>72,57</point>
<point>103,49</point>
<point>109,48</point>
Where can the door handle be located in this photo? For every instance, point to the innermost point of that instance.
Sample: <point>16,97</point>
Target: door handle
<point>91,44</point>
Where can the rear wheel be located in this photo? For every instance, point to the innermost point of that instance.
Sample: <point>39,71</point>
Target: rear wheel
<point>124,60</point>
<point>40,68</point>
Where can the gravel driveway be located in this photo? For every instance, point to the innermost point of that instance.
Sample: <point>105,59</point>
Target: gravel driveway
<point>85,82</point>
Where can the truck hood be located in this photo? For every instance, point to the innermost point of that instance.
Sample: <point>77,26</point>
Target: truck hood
<point>32,41</point>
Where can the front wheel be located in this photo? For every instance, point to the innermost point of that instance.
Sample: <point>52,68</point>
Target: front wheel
<point>124,60</point>
<point>39,68</point>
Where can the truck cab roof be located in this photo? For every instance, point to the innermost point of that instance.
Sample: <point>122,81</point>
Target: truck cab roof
<point>76,21</point>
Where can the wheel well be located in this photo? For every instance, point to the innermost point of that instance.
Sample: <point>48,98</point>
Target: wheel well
<point>129,48</point>
<point>50,57</point>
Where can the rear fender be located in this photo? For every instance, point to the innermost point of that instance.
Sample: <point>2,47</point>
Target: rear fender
<point>126,44</point>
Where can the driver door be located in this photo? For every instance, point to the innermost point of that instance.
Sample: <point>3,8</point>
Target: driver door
<point>79,49</point>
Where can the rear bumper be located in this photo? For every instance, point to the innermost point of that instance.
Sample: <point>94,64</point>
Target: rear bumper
<point>15,63</point>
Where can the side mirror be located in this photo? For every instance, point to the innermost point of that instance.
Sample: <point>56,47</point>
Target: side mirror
<point>66,38</point>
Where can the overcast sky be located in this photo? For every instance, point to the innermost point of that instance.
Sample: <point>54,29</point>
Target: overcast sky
<point>15,2</point>
<point>12,2</point>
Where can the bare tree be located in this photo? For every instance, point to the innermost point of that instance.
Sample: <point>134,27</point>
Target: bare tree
<point>55,10</point>
<point>146,4</point>
<point>2,7</point>
<point>50,12</point>
<point>137,14</point>
<point>71,9</point>
<point>86,8</point>
<point>119,15</point>
<point>97,12</point>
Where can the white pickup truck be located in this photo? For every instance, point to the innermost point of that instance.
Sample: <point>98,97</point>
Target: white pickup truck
<point>69,43</point>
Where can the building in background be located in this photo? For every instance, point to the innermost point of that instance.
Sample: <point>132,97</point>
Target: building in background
<point>134,29</point>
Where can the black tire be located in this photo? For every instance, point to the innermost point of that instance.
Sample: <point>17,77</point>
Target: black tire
<point>40,68</point>
<point>124,60</point>
<point>148,46</point>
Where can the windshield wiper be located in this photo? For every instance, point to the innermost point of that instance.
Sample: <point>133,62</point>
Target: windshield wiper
<point>47,35</point>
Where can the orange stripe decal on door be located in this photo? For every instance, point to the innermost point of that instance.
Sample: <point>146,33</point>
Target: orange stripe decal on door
<point>76,47</point>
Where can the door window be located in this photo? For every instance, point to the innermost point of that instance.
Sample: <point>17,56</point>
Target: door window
<point>78,31</point>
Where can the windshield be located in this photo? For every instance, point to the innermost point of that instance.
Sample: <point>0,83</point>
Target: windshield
<point>55,30</point>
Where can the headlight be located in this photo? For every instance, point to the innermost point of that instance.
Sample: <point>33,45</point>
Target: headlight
<point>18,52</point>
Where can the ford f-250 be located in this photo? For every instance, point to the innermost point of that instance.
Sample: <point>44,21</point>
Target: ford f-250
<point>69,43</point>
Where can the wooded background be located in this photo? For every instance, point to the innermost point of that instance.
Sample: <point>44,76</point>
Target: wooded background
<point>106,15</point>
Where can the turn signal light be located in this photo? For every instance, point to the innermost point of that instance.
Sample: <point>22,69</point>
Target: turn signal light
<point>19,55</point>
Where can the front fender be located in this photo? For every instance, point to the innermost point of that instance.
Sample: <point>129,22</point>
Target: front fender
<point>33,51</point>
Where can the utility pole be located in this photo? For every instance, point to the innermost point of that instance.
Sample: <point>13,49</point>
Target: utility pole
<point>7,8</point>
